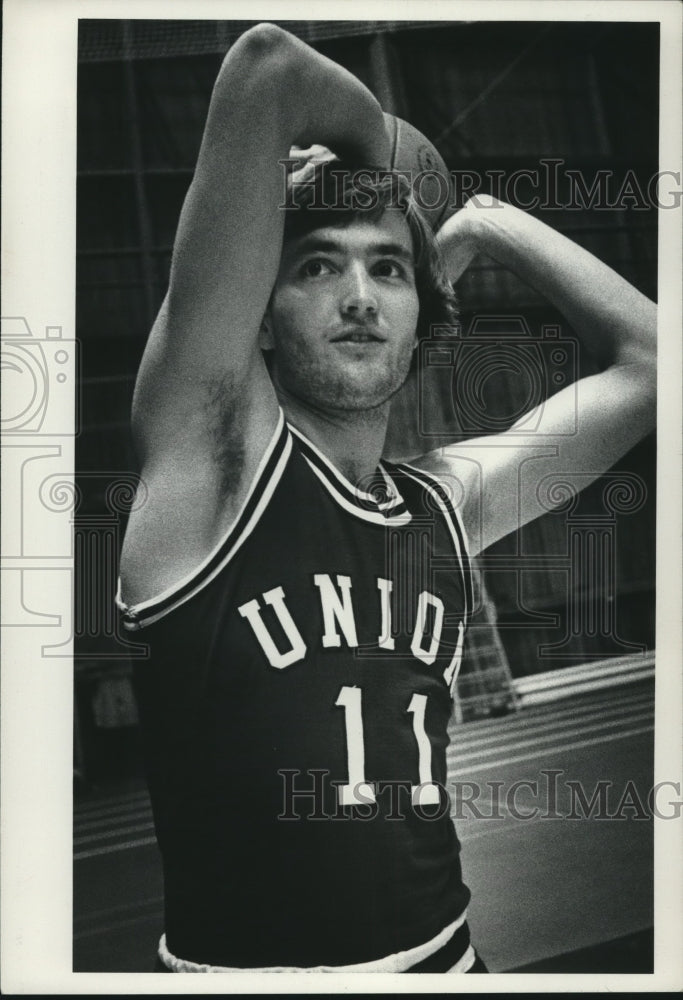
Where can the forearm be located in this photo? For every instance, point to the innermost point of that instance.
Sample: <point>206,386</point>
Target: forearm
<point>334,108</point>
<point>616,322</point>
<point>281,83</point>
<point>272,92</point>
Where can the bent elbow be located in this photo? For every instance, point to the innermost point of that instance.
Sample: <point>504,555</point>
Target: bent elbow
<point>265,37</point>
<point>640,361</point>
<point>259,50</point>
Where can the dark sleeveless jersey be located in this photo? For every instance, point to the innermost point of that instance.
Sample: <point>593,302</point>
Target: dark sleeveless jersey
<point>295,706</point>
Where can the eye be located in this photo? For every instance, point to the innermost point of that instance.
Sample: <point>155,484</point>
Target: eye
<point>389,269</point>
<point>315,268</point>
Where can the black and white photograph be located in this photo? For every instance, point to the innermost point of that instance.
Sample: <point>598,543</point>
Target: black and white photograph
<point>341,534</point>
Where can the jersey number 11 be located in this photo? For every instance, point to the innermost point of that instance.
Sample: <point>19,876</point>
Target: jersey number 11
<point>357,791</point>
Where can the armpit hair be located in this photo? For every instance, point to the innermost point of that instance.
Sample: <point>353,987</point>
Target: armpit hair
<point>224,421</point>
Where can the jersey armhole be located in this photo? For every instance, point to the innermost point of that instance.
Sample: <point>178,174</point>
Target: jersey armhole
<point>458,534</point>
<point>455,524</point>
<point>261,489</point>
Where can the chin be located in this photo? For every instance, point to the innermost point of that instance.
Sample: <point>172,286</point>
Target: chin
<point>354,397</point>
<point>349,389</point>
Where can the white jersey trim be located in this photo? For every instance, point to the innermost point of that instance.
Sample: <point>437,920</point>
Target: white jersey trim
<point>131,612</point>
<point>395,497</point>
<point>375,517</point>
<point>353,500</point>
<point>465,963</point>
<point>399,962</point>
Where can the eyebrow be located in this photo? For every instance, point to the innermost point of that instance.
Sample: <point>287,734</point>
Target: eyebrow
<point>312,243</point>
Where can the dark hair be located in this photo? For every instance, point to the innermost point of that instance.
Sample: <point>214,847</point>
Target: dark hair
<point>336,193</point>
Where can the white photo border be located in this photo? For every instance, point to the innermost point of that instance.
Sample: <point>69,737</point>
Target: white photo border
<point>38,272</point>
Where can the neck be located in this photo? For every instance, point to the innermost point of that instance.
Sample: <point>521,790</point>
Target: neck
<point>352,440</point>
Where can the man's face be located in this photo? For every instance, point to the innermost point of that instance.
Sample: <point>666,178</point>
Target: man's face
<point>343,314</point>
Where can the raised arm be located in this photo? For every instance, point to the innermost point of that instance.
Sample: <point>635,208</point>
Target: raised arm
<point>610,411</point>
<point>204,408</point>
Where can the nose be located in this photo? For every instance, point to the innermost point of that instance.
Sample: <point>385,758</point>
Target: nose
<point>359,297</point>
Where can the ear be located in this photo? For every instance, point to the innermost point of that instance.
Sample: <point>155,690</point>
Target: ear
<point>265,334</point>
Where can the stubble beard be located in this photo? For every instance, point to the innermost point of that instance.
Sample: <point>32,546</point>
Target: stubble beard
<point>323,388</point>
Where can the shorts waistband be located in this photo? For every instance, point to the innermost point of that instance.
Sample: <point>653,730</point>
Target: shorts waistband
<point>448,951</point>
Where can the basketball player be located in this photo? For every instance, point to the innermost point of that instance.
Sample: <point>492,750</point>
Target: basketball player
<point>305,602</point>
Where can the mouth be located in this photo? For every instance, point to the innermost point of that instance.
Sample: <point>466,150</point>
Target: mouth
<point>358,336</point>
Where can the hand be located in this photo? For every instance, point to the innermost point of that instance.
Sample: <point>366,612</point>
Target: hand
<point>303,170</point>
<point>459,238</point>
